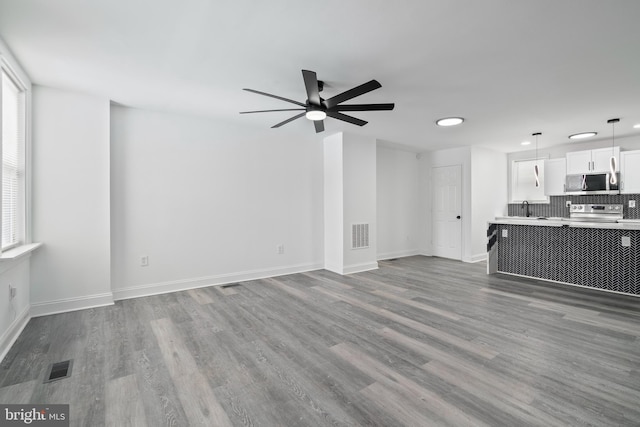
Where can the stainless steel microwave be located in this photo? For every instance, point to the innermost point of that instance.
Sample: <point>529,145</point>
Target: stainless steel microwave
<point>597,183</point>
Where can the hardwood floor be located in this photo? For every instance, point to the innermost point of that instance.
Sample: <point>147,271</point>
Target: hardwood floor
<point>421,341</point>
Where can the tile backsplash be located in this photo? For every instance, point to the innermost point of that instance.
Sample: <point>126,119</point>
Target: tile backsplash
<point>557,205</point>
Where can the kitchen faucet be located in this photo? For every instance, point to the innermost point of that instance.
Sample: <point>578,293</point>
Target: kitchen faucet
<point>526,212</point>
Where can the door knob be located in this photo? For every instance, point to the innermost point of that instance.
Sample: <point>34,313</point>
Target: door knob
<point>458,217</point>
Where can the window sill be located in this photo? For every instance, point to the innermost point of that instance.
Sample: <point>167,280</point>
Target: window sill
<point>18,252</point>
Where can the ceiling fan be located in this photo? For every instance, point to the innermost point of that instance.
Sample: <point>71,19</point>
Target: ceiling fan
<point>317,108</point>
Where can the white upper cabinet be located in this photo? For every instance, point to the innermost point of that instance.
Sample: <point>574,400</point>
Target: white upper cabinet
<point>601,156</point>
<point>555,172</point>
<point>591,161</point>
<point>578,162</point>
<point>630,172</point>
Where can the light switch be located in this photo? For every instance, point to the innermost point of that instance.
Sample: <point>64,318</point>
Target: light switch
<point>632,203</point>
<point>626,241</point>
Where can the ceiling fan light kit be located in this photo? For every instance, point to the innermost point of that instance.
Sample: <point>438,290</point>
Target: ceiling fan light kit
<point>317,108</point>
<point>316,115</point>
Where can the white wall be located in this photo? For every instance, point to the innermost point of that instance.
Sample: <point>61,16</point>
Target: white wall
<point>424,200</point>
<point>398,203</point>
<point>350,198</point>
<point>14,314</point>
<point>359,172</point>
<point>209,202</point>
<point>333,203</point>
<point>488,195</point>
<point>70,201</point>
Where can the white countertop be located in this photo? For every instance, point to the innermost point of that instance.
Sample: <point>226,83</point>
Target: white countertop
<point>623,224</point>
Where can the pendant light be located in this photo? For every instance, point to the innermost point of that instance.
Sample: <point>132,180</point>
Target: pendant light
<point>613,179</point>
<point>536,172</point>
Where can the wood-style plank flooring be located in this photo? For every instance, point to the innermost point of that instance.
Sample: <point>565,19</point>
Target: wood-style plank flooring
<point>419,342</point>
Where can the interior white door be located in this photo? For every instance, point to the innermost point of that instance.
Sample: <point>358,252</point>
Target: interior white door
<point>446,230</point>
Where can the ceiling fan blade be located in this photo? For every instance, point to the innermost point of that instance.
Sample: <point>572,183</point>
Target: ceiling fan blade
<point>363,107</point>
<point>311,84</point>
<point>275,96</point>
<point>288,120</point>
<point>269,111</point>
<point>319,124</point>
<point>346,118</point>
<point>352,93</point>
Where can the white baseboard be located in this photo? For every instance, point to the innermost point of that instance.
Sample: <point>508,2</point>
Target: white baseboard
<point>398,254</point>
<point>478,257</point>
<point>71,304</point>
<point>201,282</point>
<point>359,268</point>
<point>15,329</point>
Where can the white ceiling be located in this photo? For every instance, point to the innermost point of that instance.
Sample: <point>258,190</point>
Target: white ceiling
<point>509,67</point>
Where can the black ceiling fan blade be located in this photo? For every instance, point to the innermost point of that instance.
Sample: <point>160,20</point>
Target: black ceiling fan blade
<point>364,107</point>
<point>269,111</point>
<point>288,120</point>
<point>311,84</point>
<point>319,124</point>
<point>346,118</point>
<point>275,96</point>
<point>352,93</point>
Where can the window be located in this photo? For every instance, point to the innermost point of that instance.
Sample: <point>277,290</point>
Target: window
<point>523,182</point>
<point>13,118</point>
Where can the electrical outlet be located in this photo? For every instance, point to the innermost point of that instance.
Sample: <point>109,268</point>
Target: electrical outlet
<point>626,241</point>
<point>632,203</point>
<point>280,249</point>
<point>505,233</point>
<point>144,261</point>
<point>12,292</point>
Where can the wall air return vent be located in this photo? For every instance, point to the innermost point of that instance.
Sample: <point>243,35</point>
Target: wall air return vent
<point>359,236</point>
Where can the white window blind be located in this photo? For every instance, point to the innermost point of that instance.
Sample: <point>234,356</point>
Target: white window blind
<point>13,141</point>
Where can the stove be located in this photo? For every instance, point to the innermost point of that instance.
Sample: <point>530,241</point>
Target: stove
<point>595,212</point>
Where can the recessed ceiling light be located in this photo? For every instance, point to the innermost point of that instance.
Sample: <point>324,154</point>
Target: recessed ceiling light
<point>525,143</point>
<point>582,135</point>
<point>450,121</point>
<point>637,126</point>
<point>316,115</point>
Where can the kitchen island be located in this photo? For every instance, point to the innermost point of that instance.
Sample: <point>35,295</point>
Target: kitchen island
<point>595,255</point>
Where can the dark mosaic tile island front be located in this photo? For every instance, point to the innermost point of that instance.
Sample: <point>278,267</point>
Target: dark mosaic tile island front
<point>592,257</point>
